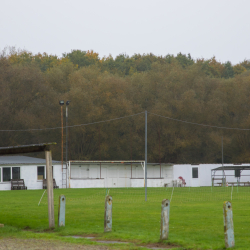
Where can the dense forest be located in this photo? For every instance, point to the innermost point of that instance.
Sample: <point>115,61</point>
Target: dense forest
<point>171,88</point>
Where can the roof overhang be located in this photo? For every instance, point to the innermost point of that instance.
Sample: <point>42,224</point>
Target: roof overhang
<point>74,162</point>
<point>233,167</point>
<point>26,148</point>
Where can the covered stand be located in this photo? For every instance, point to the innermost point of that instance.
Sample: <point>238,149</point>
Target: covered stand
<point>231,175</point>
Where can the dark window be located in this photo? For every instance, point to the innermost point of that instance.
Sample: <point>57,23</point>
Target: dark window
<point>194,172</point>
<point>0,174</point>
<point>15,173</point>
<point>40,173</point>
<point>6,174</point>
<point>237,172</point>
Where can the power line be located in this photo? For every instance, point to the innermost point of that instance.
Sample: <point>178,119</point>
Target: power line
<point>105,121</point>
<point>79,125</point>
<point>118,118</point>
<point>199,124</point>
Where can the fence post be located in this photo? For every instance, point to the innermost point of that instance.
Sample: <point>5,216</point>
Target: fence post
<point>61,211</point>
<point>108,214</point>
<point>165,209</point>
<point>228,224</point>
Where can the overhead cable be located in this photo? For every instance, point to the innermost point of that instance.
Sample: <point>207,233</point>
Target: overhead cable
<point>118,118</point>
<point>199,124</point>
<point>79,125</point>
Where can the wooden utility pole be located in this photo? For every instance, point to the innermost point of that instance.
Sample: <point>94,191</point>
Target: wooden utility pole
<point>48,156</point>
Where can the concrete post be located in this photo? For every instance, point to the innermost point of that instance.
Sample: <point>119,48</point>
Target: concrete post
<point>61,211</point>
<point>108,214</point>
<point>228,224</point>
<point>165,210</point>
<point>48,157</point>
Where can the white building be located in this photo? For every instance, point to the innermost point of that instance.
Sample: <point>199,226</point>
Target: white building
<point>32,170</point>
<point>87,174</point>
<point>201,174</point>
<point>104,174</point>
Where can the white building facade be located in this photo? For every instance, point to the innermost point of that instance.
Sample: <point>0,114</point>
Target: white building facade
<point>86,174</point>
<point>93,174</point>
<point>201,174</point>
<point>32,170</point>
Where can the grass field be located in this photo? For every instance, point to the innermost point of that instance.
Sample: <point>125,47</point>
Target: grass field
<point>196,215</point>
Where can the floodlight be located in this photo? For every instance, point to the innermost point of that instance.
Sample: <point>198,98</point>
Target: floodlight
<point>61,103</point>
<point>67,103</point>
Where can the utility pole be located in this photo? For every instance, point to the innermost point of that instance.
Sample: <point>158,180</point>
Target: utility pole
<point>67,104</point>
<point>146,121</point>
<point>61,104</point>
<point>222,158</point>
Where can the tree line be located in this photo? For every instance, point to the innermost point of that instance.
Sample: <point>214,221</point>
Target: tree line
<point>199,91</point>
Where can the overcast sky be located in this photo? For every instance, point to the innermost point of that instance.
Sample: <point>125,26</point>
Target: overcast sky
<point>203,28</point>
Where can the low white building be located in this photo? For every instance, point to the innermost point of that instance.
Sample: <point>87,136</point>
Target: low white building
<point>104,174</point>
<point>201,174</point>
<point>32,170</point>
<point>88,174</point>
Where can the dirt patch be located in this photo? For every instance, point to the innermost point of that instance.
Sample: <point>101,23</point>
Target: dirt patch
<point>159,246</point>
<point>35,244</point>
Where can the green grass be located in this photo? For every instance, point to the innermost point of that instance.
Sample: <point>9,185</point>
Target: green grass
<point>196,215</point>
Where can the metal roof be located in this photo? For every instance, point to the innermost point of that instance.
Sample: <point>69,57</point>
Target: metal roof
<point>74,162</point>
<point>26,148</point>
<point>233,167</point>
<point>18,159</point>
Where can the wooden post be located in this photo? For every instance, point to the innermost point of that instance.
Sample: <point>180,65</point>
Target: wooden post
<point>108,214</point>
<point>61,211</point>
<point>49,178</point>
<point>165,209</point>
<point>228,224</point>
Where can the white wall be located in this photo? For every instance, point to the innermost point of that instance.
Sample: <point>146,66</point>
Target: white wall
<point>29,174</point>
<point>57,174</point>
<point>91,183</point>
<point>204,174</point>
<point>84,175</point>
<point>183,171</point>
<point>5,186</point>
<point>119,175</point>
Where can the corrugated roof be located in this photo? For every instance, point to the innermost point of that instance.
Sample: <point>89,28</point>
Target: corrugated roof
<point>18,159</point>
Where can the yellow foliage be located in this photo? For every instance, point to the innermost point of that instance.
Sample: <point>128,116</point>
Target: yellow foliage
<point>238,69</point>
<point>91,54</point>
